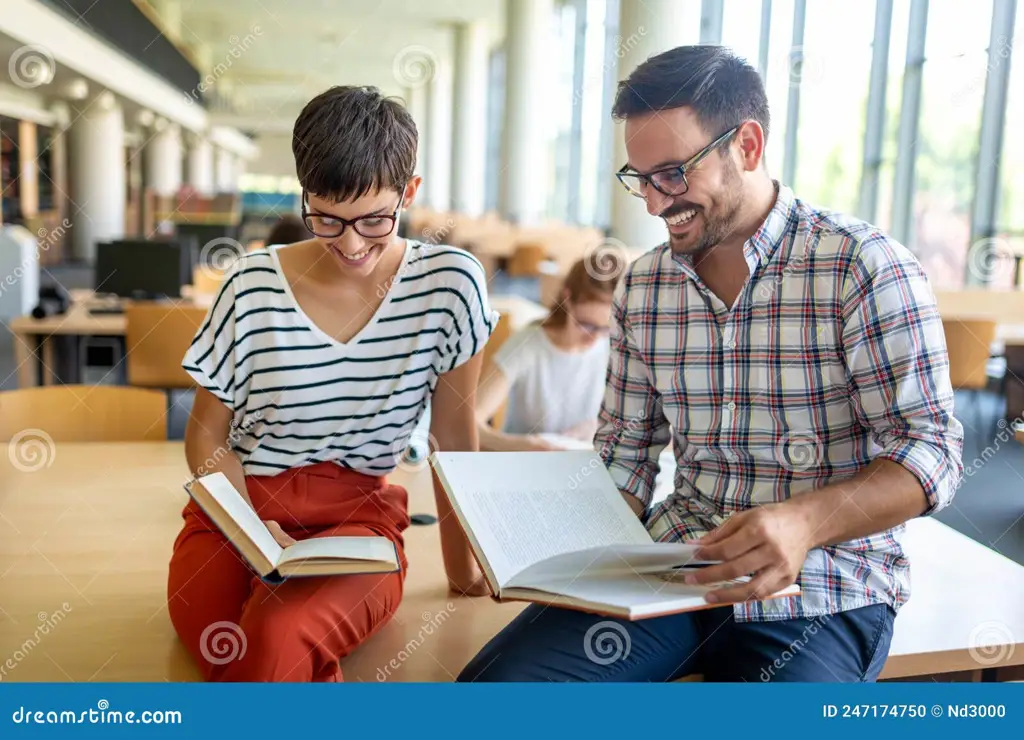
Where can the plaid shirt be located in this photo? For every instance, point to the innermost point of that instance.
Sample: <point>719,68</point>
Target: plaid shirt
<point>832,356</point>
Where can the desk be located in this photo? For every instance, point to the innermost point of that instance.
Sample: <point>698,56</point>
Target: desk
<point>30,335</point>
<point>94,531</point>
<point>85,541</point>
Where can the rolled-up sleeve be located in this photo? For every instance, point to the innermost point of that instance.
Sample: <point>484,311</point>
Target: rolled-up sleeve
<point>895,351</point>
<point>632,430</point>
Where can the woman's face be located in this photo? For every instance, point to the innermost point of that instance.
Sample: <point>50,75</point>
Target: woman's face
<point>357,248</point>
<point>588,321</point>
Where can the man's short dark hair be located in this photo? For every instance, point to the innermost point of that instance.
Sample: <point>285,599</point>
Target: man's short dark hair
<point>350,141</point>
<point>721,88</point>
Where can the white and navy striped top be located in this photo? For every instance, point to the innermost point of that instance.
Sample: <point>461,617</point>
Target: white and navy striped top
<point>302,397</point>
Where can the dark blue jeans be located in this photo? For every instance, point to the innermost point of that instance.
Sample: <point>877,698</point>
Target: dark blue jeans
<point>549,644</point>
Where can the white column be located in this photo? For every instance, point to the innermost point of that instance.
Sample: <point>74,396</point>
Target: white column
<point>439,137</point>
<point>226,174</point>
<point>164,159</point>
<point>97,169</point>
<point>240,167</point>
<point>646,27</point>
<point>416,97</point>
<point>526,164</point>
<point>469,141</point>
<point>200,166</point>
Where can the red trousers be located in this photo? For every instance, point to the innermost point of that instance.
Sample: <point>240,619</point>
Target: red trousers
<point>239,628</point>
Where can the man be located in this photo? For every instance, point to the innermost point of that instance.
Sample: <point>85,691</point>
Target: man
<point>796,361</point>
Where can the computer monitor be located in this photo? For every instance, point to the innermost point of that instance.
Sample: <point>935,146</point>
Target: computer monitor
<point>142,269</point>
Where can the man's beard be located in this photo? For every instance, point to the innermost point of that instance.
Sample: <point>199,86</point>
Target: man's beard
<point>719,223</point>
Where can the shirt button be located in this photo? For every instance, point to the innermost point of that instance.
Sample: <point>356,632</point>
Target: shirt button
<point>731,406</point>
<point>731,344</point>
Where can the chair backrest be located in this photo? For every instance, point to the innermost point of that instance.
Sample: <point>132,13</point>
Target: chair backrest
<point>206,280</point>
<point>83,413</point>
<point>499,336</point>
<point>157,336</point>
<point>969,345</point>
<point>526,260</point>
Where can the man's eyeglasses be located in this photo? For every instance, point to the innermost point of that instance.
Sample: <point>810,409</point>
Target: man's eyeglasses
<point>368,227</point>
<point>670,180</point>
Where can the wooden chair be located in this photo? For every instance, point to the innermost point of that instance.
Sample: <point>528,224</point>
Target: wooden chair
<point>526,260</point>
<point>206,281</point>
<point>499,336</point>
<point>969,346</point>
<point>156,339</point>
<point>84,413</point>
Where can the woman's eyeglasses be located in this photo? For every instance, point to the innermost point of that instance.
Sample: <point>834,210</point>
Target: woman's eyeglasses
<point>331,227</point>
<point>670,180</point>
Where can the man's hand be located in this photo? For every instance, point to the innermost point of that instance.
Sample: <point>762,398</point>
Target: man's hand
<point>769,543</point>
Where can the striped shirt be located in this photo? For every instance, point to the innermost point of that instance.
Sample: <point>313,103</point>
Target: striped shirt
<point>832,356</point>
<point>300,397</point>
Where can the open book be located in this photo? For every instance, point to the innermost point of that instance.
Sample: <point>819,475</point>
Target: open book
<point>316,556</point>
<point>552,528</point>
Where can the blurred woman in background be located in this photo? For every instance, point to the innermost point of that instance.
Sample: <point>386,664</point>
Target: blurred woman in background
<point>551,374</point>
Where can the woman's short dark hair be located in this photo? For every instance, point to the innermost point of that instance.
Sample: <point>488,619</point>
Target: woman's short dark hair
<point>350,141</point>
<point>721,88</point>
<point>288,230</point>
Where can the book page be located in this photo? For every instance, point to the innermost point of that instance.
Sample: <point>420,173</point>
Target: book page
<point>340,548</point>
<point>524,507</point>
<point>622,560</point>
<point>241,515</point>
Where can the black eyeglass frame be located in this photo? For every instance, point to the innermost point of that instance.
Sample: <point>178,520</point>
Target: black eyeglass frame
<point>307,217</point>
<point>682,169</point>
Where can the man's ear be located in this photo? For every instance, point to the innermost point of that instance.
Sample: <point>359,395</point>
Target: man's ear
<point>411,188</point>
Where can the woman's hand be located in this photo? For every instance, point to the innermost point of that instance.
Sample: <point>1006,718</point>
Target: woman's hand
<point>283,538</point>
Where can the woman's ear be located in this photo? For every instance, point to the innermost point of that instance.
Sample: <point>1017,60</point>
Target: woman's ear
<point>411,189</point>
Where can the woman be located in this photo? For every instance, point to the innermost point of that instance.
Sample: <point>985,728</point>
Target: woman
<point>551,374</point>
<point>314,366</point>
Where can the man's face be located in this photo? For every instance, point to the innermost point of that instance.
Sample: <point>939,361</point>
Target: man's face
<point>708,212</point>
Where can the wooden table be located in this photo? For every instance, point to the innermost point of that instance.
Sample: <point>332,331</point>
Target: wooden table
<point>31,345</point>
<point>93,531</point>
<point>85,541</point>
